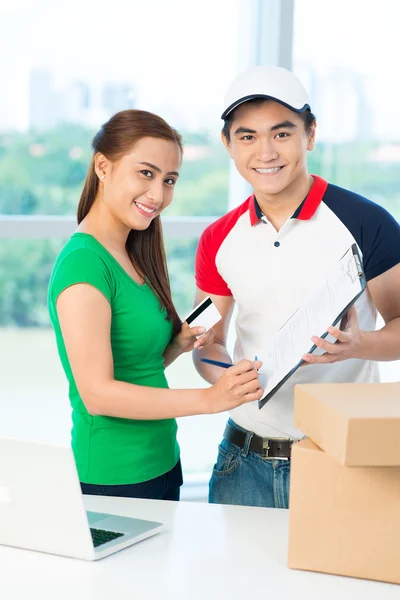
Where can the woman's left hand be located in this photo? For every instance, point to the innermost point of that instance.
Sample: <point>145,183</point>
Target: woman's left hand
<point>186,340</point>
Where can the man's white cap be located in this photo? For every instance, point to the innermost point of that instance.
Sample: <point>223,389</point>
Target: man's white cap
<point>272,83</point>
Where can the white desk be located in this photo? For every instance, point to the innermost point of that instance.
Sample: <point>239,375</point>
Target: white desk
<point>207,552</point>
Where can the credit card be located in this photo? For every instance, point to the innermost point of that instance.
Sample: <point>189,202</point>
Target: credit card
<point>204,314</point>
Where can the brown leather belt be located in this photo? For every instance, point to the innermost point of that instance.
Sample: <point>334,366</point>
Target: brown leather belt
<point>265,447</point>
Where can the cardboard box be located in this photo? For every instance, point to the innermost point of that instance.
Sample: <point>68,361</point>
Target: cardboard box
<point>357,424</point>
<point>343,520</point>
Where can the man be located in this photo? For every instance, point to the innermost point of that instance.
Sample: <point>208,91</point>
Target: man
<point>266,256</point>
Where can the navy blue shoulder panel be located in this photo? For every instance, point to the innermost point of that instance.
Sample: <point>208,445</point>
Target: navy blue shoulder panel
<point>375,230</point>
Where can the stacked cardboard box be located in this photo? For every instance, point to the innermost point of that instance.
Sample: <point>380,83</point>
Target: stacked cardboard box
<point>345,481</point>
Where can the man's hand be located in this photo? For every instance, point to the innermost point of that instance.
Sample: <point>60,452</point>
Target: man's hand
<point>348,344</point>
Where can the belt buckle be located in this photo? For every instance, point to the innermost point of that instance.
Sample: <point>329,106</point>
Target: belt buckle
<point>266,448</point>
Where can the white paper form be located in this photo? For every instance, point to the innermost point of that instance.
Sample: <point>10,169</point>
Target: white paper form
<point>324,306</point>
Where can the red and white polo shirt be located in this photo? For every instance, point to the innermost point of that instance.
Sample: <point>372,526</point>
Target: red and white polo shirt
<point>270,273</point>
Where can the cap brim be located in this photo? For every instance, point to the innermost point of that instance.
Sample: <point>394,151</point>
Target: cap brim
<point>262,96</point>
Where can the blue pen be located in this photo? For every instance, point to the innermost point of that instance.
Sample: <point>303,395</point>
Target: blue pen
<point>216,363</point>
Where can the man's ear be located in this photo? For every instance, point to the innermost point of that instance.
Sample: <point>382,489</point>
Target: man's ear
<point>226,143</point>
<point>311,137</point>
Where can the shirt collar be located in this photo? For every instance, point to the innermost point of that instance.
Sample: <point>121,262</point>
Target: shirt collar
<point>305,211</point>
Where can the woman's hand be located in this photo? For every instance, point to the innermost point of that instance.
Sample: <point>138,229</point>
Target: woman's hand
<point>237,385</point>
<point>186,340</point>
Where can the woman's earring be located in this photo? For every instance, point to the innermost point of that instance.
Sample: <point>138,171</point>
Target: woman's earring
<point>102,177</point>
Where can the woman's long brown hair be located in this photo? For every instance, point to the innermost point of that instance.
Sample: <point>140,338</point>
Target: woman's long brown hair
<point>145,248</point>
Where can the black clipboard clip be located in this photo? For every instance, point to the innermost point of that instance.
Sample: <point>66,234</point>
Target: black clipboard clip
<point>359,269</point>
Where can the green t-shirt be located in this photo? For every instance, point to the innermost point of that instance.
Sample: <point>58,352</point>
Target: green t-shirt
<point>109,450</point>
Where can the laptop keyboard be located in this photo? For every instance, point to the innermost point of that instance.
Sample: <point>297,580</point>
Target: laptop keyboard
<point>101,536</point>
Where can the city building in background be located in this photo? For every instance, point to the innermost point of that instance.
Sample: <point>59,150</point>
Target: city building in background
<point>80,103</point>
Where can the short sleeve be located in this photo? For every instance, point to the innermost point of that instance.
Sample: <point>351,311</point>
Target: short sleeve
<point>380,243</point>
<point>81,266</point>
<point>376,232</point>
<point>208,278</point>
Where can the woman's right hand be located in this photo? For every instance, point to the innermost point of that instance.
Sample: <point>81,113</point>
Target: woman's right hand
<point>238,384</point>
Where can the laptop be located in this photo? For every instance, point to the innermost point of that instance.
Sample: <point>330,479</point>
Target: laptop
<point>42,509</point>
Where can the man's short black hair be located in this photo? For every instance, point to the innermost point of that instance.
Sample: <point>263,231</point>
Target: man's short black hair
<point>307,116</point>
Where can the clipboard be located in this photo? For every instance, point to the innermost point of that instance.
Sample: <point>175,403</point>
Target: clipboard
<point>359,273</point>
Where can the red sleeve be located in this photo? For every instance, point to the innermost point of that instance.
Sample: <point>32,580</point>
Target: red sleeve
<point>208,278</point>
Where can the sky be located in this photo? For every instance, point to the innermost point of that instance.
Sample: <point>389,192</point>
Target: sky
<point>181,55</point>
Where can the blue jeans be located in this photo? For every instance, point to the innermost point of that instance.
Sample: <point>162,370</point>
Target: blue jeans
<point>245,478</point>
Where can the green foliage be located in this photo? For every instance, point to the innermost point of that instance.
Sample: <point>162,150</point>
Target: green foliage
<point>43,174</point>
<point>25,268</point>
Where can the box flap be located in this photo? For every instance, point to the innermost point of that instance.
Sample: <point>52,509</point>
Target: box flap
<point>357,424</point>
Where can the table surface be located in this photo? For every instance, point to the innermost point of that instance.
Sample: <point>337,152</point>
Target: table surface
<point>206,552</point>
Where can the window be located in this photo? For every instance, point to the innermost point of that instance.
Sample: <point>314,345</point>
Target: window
<point>348,68</point>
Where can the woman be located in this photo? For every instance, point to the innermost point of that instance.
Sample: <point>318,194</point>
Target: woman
<point>115,322</point>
